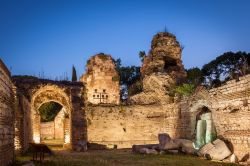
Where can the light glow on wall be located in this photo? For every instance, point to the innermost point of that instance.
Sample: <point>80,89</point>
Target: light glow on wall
<point>67,138</point>
<point>36,139</point>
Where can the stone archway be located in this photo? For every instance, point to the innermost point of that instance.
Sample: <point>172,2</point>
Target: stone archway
<point>44,94</point>
<point>202,125</point>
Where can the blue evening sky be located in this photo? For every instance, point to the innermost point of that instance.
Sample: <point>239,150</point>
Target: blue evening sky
<point>52,35</point>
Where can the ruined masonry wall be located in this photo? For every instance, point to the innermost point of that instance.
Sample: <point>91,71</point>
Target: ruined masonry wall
<point>6,117</point>
<point>127,125</point>
<point>23,129</point>
<point>47,130</point>
<point>231,113</point>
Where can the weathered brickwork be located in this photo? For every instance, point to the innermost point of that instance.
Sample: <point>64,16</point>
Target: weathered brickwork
<point>22,122</point>
<point>127,125</point>
<point>47,130</point>
<point>101,80</point>
<point>231,113</point>
<point>137,124</point>
<point>6,117</point>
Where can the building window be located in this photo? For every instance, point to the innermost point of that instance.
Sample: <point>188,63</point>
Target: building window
<point>93,95</point>
<point>107,96</point>
<point>95,90</point>
<point>102,96</point>
<point>104,90</point>
<point>97,95</point>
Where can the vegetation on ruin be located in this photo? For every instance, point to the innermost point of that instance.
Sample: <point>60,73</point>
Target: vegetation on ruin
<point>185,89</point>
<point>194,76</point>
<point>48,111</point>
<point>120,158</point>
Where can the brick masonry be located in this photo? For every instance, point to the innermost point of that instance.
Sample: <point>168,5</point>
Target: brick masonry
<point>6,117</point>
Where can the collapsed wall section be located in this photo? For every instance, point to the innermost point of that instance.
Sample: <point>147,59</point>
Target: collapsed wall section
<point>6,117</point>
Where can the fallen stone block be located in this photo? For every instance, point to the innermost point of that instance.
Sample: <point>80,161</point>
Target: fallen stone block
<point>138,148</point>
<point>186,146</point>
<point>163,138</point>
<point>216,150</point>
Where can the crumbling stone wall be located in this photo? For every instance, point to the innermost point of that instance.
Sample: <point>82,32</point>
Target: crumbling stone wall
<point>140,124</point>
<point>101,80</point>
<point>6,117</point>
<point>230,107</point>
<point>127,125</point>
<point>164,57</point>
<point>162,69</point>
<point>23,126</point>
<point>231,114</point>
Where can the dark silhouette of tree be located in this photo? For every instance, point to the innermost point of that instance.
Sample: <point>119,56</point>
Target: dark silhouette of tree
<point>194,76</point>
<point>130,79</point>
<point>142,56</point>
<point>226,67</point>
<point>74,76</point>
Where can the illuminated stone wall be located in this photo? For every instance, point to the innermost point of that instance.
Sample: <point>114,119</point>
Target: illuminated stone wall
<point>140,124</point>
<point>23,128</point>
<point>6,117</point>
<point>231,105</point>
<point>47,130</point>
<point>101,80</point>
<point>127,125</point>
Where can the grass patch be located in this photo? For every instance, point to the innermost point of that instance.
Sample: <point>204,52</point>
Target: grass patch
<point>120,158</point>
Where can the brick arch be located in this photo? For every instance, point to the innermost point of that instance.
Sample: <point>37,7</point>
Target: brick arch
<point>45,94</point>
<point>195,110</point>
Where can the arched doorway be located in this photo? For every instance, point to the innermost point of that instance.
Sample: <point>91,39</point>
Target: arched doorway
<point>202,126</point>
<point>51,115</point>
<point>54,125</point>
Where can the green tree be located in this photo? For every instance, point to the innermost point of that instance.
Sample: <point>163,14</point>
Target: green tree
<point>74,75</point>
<point>226,66</point>
<point>194,76</point>
<point>130,78</point>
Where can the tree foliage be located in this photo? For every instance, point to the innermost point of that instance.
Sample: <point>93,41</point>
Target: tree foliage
<point>226,66</point>
<point>74,75</point>
<point>194,76</point>
<point>184,89</point>
<point>130,79</point>
<point>48,111</point>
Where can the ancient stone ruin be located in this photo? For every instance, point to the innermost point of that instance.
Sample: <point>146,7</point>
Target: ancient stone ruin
<point>162,69</point>
<point>92,112</point>
<point>31,94</point>
<point>101,80</point>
